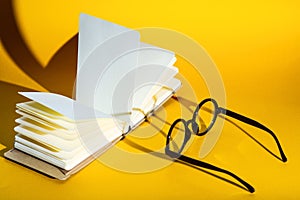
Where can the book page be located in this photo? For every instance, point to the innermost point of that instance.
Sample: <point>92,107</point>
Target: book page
<point>106,54</point>
<point>67,107</point>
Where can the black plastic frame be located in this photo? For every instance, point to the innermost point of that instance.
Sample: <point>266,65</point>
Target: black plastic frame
<point>195,128</point>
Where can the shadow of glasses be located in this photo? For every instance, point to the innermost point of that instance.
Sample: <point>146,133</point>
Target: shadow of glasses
<point>144,149</point>
<point>197,163</point>
<point>245,132</point>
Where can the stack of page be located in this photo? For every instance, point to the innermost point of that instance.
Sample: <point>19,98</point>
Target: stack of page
<point>120,81</point>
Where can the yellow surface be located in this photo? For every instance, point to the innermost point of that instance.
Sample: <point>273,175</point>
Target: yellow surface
<point>256,47</point>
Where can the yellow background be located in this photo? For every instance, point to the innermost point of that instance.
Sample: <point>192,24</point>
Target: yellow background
<point>256,47</point>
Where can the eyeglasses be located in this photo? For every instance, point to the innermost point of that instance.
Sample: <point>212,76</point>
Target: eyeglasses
<point>203,119</point>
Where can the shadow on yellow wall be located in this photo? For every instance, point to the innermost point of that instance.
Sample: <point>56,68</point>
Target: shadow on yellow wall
<point>58,76</point>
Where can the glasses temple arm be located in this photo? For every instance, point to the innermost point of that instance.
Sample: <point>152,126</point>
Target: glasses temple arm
<point>255,124</point>
<point>212,167</point>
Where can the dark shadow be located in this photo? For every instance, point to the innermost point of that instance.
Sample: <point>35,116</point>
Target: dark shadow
<point>59,74</point>
<point>244,131</point>
<point>135,145</point>
<point>9,98</point>
<point>164,156</point>
<point>157,128</point>
<point>160,119</point>
<point>212,174</point>
<point>162,132</point>
<point>249,135</point>
<point>186,103</point>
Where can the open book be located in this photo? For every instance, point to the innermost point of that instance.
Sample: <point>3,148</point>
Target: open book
<point>120,81</point>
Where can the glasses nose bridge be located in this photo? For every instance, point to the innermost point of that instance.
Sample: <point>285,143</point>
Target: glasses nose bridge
<point>194,126</point>
<point>190,121</point>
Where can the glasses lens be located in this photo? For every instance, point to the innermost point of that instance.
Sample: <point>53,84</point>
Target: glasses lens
<point>177,137</point>
<point>205,116</point>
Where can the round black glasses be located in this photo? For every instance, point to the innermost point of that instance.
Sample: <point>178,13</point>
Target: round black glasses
<point>203,119</point>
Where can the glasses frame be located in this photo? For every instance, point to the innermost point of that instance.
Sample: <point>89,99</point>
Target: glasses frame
<point>195,129</point>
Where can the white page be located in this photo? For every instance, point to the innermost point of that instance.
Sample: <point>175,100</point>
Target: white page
<point>33,107</point>
<point>64,106</point>
<point>47,128</point>
<point>153,67</point>
<point>170,87</point>
<point>57,142</point>
<point>101,46</point>
<point>154,70</point>
<point>161,96</point>
<point>151,78</point>
<point>98,143</point>
<point>154,55</point>
<point>93,32</point>
<point>114,90</point>
<point>58,123</point>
